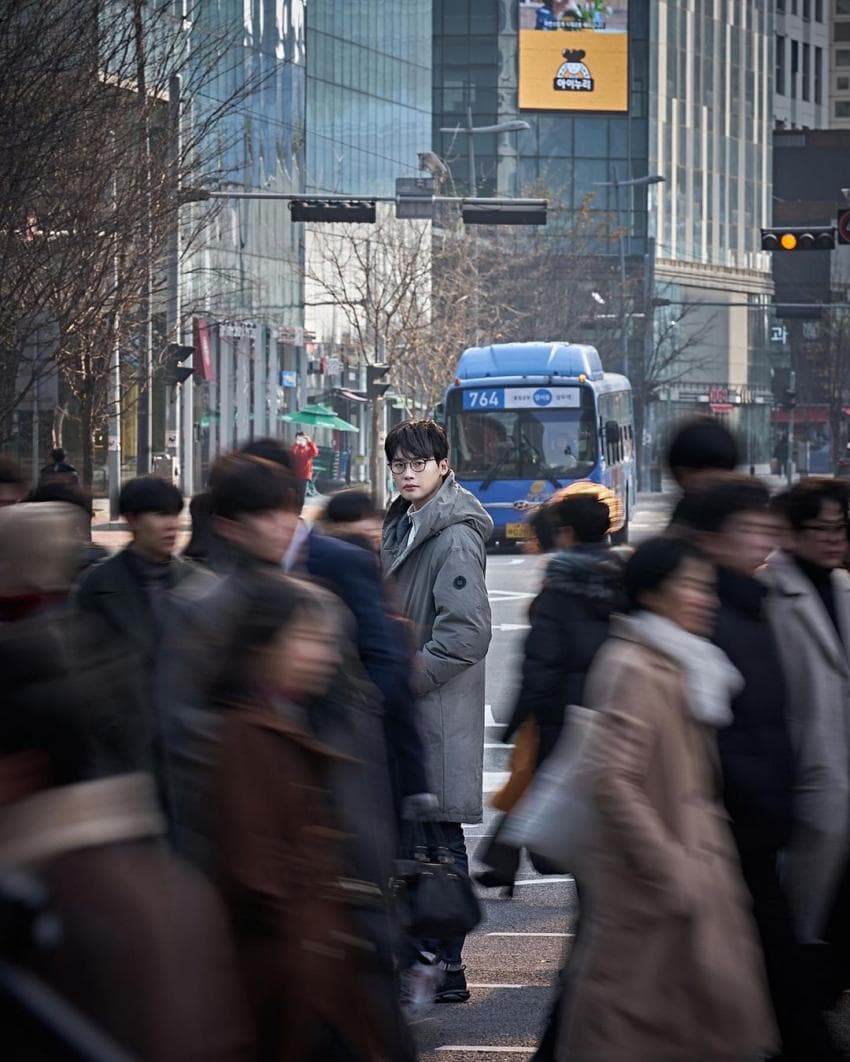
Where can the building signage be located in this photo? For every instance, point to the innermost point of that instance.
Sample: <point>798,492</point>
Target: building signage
<point>490,398</point>
<point>288,378</point>
<point>574,55</point>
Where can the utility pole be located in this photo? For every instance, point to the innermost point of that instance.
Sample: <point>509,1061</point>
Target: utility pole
<point>113,443</point>
<point>173,303</point>
<point>145,418</point>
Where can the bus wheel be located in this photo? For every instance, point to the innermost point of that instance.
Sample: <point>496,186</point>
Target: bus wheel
<point>621,537</point>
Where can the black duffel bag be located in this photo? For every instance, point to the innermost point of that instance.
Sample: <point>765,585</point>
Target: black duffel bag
<point>437,898</point>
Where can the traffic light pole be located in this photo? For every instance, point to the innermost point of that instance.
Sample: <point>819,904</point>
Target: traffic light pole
<point>173,308</point>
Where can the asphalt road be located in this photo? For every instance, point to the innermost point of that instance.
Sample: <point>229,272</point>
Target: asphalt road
<point>514,956</point>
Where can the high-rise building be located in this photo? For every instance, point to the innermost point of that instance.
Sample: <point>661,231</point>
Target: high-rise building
<point>802,61</point>
<point>839,81</point>
<point>688,97</point>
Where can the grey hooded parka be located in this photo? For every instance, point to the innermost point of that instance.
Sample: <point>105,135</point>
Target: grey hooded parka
<point>440,578</point>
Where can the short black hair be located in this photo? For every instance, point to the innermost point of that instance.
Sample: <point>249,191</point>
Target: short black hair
<point>803,502</point>
<point>10,471</point>
<point>49,491</point>
<point>588,516</point>
<point>349,507</point>
<point>149,494</point>
<point>268,448</point>
<point>58,455</point>
<point>702,443</point>
<point>242,483</point>
<point>653,563</point>
<point>417,438</point>
<point>726,497</point>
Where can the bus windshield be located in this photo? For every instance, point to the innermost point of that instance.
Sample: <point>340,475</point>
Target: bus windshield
<point>523,443</point>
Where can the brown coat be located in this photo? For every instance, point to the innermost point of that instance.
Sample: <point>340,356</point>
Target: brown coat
<point>666,967</point>
<point>281,868</point>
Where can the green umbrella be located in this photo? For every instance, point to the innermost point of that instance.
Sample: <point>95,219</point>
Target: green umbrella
<point>319,417</point>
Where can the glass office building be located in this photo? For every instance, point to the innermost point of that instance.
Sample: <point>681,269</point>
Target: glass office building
<point>368,93</point>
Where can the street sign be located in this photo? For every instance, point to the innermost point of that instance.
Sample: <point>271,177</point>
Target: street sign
<point>414,198</point>
<point>842,224</point>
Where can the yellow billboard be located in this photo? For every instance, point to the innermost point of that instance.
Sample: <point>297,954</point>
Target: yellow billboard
<point>574,56</point>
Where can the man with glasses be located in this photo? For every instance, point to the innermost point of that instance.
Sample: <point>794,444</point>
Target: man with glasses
<point>433,548</point>
<point>809,609</point>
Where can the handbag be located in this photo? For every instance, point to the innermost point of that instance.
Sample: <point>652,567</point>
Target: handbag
<point>554,817</point>
<point>436,896</point>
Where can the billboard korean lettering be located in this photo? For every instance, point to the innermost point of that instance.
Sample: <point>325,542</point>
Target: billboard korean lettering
<point>574,55</point>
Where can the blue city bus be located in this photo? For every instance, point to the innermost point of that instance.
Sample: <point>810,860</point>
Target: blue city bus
<point>527,419</point>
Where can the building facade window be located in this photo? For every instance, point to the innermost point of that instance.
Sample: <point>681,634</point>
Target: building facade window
<point>795,67</point>
<point>842,7</point>
<point>818,10</point>
<point>842,108</point>
<point>780,65</point>
<point>842,84</point>
<point>805,87</point>
<point>818,75</point>
<point>807,10</point>
<point>842,57</point>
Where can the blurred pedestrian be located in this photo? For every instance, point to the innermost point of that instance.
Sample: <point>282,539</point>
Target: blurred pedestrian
<point>59,470</point>
<point>12,484</point>
<point>570,616</point>
<point>144,949</point>
<point>809,609</point>
<point>303,452</point>
<point>738,532</point>
<point>700,448</point>
<point>202,541</point>
<point>434,541</point>
<point>280,843</point>
<point>130,594</point>
<point>350,515</point>
<point>89,553</point>
<point>667,966</point>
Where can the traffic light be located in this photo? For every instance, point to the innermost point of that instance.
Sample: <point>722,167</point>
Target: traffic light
<point>789,398</point>
<point>375,386</point>
<point>802,238</point>
<point>504,211</point>
<point>349,211</point>
<point>173,372</point>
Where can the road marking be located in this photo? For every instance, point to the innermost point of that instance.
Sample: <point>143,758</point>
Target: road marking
<point>489,1050</point>
<point>496,596</point>
<point>517,560</point>
<point>545,881</point>
<point>530,934</point>
<point>512,627</point>
<point>494,780</point>
<point>488,716</point>
<point>548,987</point>
<point>497,745</point>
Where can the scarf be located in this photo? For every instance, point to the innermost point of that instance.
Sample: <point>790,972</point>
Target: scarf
<point>711,680</point>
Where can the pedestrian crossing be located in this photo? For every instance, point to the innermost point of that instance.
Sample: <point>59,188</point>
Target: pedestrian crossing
<point>496,754</point>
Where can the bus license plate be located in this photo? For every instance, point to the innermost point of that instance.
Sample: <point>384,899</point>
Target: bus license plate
<point>516,531</point>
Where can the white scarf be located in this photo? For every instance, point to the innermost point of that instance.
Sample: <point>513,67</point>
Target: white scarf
<point>711,680</point>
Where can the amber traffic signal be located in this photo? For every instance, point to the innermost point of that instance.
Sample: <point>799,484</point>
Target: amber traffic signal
<point>803,238</point>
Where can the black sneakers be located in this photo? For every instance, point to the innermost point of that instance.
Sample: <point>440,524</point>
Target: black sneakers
<point>452,989</point>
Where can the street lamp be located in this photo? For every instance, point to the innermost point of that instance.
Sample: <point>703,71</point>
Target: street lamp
<point>617,184</point>
<point>516,125</point>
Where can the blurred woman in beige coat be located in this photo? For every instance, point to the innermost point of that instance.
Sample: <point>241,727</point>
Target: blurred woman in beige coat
<point>666,967</point>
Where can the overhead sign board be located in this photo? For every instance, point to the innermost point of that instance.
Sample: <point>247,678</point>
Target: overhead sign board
<point>573,56</point>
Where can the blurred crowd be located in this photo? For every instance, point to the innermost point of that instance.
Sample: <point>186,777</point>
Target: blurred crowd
<point>214,763</point>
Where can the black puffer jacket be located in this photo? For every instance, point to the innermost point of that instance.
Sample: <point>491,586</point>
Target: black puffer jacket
<point>569,622</point>
<point>755,751</point>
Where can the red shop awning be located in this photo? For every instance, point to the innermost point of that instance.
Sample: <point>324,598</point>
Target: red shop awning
<point>802,415</point>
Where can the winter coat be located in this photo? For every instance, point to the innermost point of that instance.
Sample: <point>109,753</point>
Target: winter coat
<point>145,950</point>
<point>281,866</point>
<point>666,966</point>
<point>441,585</point>
<point>816,663</point>
<point>569,622</point>
<point>755,751</point>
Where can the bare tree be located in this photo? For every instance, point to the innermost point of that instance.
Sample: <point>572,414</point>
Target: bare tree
<point>380,278</point>
<point>90,193</point>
